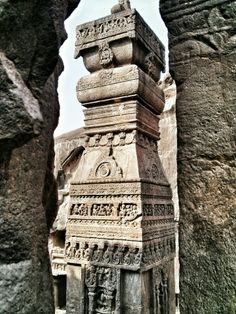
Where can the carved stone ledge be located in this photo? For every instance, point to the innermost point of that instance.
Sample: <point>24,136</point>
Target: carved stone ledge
<point>120,82</point>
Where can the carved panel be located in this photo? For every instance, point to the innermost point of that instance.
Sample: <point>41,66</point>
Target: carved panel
<point>121,211</point>
<point>106,167</point>
<point>161,291</point>
<point>102,290</point>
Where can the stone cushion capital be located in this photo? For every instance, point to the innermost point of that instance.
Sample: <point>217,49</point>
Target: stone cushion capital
<point>119,39</point>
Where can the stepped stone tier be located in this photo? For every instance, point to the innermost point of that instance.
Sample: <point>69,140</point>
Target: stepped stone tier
<point>120,234</point>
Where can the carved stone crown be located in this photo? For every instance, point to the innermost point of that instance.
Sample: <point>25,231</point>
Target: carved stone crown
<point>119,39</point>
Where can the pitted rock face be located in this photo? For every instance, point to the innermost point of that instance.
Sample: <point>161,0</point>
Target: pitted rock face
<point>202,62</point>
<point>30,38</point>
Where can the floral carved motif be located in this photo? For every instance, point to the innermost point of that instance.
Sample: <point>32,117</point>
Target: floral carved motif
<point>104,169</point>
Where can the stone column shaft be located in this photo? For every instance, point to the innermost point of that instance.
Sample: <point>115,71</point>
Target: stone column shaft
<point>202,62</point>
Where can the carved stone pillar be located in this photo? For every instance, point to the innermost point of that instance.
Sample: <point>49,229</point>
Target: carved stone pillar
<point>202,62</point>
<point>120,230</point>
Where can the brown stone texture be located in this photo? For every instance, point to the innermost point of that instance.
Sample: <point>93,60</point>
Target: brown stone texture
<point>202,62</point>
<point>30,37</point>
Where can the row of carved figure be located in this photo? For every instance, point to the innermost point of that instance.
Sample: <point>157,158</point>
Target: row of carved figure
<point>120,255</point>
<point>121,210</point>
<point>121,139</point>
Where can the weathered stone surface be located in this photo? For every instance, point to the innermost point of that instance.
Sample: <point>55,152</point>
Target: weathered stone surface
<point>202,62</point>
<point>20,111</point>
<point>30,37</point>
<point>119,82</point>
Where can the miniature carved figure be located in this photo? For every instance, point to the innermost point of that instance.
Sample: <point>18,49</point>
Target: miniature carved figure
<point>121,6</point>
<point>118,256</point>
<point>108,255</point>
<point>88,253</point>
<point>91,277</point>
<point>106,55</point>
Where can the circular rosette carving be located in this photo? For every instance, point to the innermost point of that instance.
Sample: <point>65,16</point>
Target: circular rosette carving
<point>103,170</point>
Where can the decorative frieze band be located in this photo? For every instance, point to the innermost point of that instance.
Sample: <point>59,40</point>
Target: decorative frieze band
<point>121,139</point>
<point>129,187</point>
<point>128,257</point>
<point>120,210</point>
<point>104,210</point>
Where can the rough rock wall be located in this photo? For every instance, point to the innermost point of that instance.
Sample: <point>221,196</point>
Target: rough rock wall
<point>30,37</point>
<point>202,62</point>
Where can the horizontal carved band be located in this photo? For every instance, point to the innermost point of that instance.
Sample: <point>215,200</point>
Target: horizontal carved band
<point>116,255</point>
<point>118,187</point>
<point>120,210</point>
